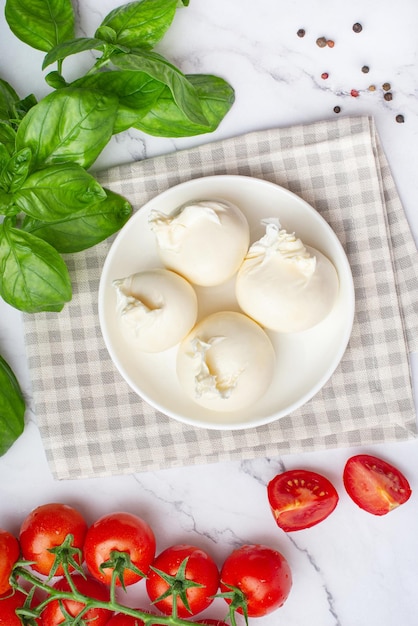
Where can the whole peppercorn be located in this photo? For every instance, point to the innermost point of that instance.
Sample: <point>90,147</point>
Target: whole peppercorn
<point>357,28</point>
<point>330,43</point>
<point>388,96</point>
<point>400,119</point>
<point>354,93</point>
<point>321,42</point>
<point>301,32</point>
<point>324,75</point>
<point>386,86</point>
<point>365,69</point>
<point>337,109</point>
<point>372,87</point>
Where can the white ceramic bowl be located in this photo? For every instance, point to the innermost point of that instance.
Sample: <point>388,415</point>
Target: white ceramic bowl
<point>305,361</point>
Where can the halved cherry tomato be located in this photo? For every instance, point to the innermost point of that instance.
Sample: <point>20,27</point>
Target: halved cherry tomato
<point>261,574</point>
<point>300,499</point>
<point>375,485</point>
<point>122,532</point>
<point>200,568</point>
<point>52,614</point>
<point>9,554</point>
<point>46,527</point>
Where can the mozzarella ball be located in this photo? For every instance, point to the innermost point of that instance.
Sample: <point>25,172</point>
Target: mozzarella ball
<point>156,308</point>
<point>286,286</point>
<point>226,363</point>
<point>203,241</point>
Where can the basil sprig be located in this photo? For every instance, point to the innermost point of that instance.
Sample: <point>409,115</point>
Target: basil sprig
<point>12,407</point>
<point>50,204</point>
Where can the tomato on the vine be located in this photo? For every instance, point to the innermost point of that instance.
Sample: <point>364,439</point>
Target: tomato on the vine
<point>124,620</point>
<point>212,622</point>
<point>46,527</point>
<point>200,568</point>
<point>122,532</point>
<point>9,554</point>
<point>8,604</point>
<point>300,499</point>
<point>90,587</point>
<point>261,574</point>
<point>375,485</point>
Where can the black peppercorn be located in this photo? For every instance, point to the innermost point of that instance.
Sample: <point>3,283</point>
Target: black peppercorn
<point>386,86</point>
<point>365,69</point>
<point>301,32</point>
<point>357,28</point>
<point>337,109</point>
<point>388,96</point>
<point>400,119</point>
<point>321,42</point>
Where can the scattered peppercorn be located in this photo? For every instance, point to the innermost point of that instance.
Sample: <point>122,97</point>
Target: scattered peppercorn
<point>301,32</point>
<point>321,42</point>
<point>330,43</point>
<point>388,96</point>
<point>337,109</point>
<point>400,119</point>
<point>386,86</point>
<point>372,87</point>
<point>365,69</point>
<point>357,28</point>
<point>324,75</point>
<point>354,93</point>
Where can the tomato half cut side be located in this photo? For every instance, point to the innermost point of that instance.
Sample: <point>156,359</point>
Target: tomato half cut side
<point>300,499</point>
<point>375,485</point>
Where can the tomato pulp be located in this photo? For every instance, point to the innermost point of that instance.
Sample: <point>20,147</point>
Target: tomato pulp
<point>300,499</point>
<point>375,485</point>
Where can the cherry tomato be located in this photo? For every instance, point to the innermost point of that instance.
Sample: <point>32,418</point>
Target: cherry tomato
<point>375,485</point>
<point>263,576</point>
<point>8,604</point>
<point>46,527</point>
<point>123,532</point>
<point>200,568</point>
<point>52,614</point>
<point>300,499</point>
<point>9,554</point>
<point>212,622</point>
<point>124,620</point>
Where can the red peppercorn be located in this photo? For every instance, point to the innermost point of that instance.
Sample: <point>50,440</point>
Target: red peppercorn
<point>324,75</point>
<point>354,93</point>
<point>330,43</point>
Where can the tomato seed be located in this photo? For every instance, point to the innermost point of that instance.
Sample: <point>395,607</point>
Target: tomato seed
<point>357,28</point>
<point>301,32</point>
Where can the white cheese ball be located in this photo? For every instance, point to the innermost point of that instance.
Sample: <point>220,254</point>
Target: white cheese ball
<point>156,308</point>
<point>226,363</point>
<point>203,241</point>
<point>286,286</point>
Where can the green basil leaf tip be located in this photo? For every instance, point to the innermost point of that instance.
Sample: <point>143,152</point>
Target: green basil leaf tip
<point>12,407</point>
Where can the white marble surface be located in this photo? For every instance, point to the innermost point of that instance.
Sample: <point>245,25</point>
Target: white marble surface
<point>353,569</point>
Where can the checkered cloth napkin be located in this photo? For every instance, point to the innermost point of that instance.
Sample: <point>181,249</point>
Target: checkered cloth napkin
<point>92,424</point>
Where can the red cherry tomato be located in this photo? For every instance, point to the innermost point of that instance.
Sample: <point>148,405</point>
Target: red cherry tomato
<point>263,576</point>
<point>124,620</point>
<point>8,605</point>
<point>200,568</point>
<point>46,527</point>
<point>9,554</point>
<point>375,485</point>
<point>52,614</point>
<point>212,622</point>
<point>300,499</point>
<point>123,532</point>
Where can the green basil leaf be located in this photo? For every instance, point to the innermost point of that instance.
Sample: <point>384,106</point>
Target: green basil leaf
<point>68,125</point>
<point>184,93</point>
<point>141,24</point>
<point>7,206</point>
<point>56,80</point>
<point>41,24</point>
<point>23,106</point>
<point>8,98</point>
<point>7,137</point>
<point>75,233</point>
<point>12,407</point>
<point>58,191</point>
<point>4,160</point>
<point>165,119</point>
<point>107,34</point>
<point>16,170</point>
<point>67,48</point>
<point>33,276</point>
<point>137,93</point>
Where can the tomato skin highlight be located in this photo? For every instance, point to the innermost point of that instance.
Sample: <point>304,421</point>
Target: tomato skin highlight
<point>9,554</point>
<point>262,574</point>
<point>46,527</point>
<point>52,614</point>
<point>123,532</point>
<point>301,499</point>
<point>201,568</point>
<point>375,485</point>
